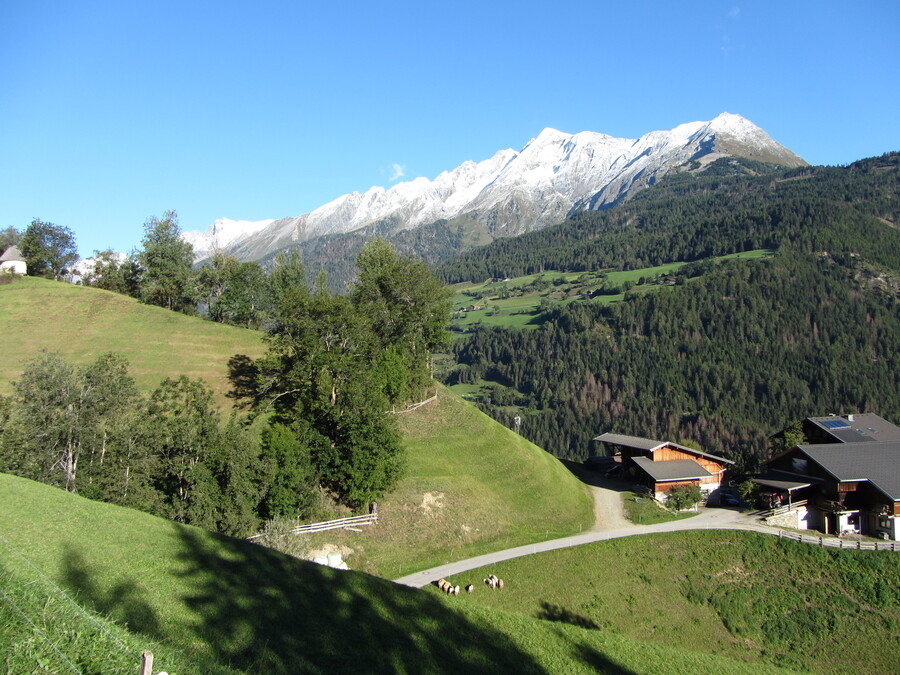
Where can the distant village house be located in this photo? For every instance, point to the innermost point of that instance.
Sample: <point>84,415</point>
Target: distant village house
<point>13,262</point>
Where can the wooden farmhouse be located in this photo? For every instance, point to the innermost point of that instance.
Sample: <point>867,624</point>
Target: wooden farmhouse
<point>662,465</point>
<point>12,261</point>
<point>847,480</point>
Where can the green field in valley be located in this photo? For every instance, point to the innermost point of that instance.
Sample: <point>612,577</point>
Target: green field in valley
<point>748,596</point>
<point>517,302</point>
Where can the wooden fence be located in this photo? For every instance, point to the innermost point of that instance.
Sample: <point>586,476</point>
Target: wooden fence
<point>841,543</point>
<point>370,519</point>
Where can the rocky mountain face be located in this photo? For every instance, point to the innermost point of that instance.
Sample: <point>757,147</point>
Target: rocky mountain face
<point>512,192</point>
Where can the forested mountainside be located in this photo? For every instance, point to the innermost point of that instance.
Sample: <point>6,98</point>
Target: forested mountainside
<point>734,351</point>
<point>733,205</point>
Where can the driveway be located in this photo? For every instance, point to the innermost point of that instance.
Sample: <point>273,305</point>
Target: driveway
<point>707,519</point>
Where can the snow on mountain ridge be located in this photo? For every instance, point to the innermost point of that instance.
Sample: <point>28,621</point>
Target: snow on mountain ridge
<point>222,234</point>
<point>517,191</point>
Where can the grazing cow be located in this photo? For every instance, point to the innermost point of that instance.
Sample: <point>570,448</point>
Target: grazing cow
<point>442,584</point>
<point>470,588</point>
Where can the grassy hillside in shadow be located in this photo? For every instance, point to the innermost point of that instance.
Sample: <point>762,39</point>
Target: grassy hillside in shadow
<point>227,604</point>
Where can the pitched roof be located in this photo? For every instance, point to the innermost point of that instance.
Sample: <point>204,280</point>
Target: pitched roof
<point>651,445</point>
<point>785,480</point>
<point>630,441</point>
<point>678,469</point>
<point>858,428</point>
<point>876,462</point>
<point>12,253</point>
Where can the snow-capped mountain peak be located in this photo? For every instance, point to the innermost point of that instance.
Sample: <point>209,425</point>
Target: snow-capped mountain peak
<point>513,191</point>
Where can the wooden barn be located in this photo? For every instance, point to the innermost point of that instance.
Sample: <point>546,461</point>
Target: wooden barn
<point>663,465</point>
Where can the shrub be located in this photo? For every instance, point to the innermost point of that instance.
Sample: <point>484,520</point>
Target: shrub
<point>683,497</point>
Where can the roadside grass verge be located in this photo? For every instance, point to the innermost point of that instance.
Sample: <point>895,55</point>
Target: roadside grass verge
<point>744,595</point>
<point>471,486</point>
<point>80,322</point>
<point>205,603</point>
<point>642,510</point>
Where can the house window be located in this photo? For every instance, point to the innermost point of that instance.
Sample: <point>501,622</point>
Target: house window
<point>884,522</point>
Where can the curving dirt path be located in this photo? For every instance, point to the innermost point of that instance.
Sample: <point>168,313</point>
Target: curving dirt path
<point>609,512</point>
<point>708,519</point>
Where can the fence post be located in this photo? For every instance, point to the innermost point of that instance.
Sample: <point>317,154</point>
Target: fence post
<point>147,663</point>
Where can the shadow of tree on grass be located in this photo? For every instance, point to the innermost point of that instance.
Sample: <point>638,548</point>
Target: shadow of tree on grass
<point>122,602</point>
<point>550,612</point>
<point>302,617</point>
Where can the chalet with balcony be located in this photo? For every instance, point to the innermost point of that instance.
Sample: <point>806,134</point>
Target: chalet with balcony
<point>846,481</point>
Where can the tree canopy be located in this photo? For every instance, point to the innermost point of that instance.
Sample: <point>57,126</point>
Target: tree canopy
<point>166,260</point>
<point>48,249</point>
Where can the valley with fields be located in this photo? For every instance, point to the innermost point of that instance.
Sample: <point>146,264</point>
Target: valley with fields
<point>167,420</point>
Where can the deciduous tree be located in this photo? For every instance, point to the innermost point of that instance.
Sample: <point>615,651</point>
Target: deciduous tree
<point>48,249</point>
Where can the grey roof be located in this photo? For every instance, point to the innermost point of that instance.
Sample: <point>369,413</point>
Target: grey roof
<point>678,469</point>
<point>862,428</point>
<point>12,253</point>
<point>784,480</point>
<point>876,462</point>
<point>651,445</point>
<point>630,441</point>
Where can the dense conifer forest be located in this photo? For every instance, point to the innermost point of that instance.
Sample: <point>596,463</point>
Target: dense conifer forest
<point>735,350</point>
<point>734,205</point>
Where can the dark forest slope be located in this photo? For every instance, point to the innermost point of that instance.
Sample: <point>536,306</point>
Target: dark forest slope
<point>734,351</point>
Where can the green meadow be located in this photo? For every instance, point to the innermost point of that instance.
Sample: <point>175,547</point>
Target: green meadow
<point>471,486</point>
<point>746,596</point>
<point>222,605</point>
<point>79,323</point>
<point>517,302</point>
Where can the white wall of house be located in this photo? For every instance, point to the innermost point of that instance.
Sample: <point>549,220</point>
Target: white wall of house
<point>798,518</point>
<point>13,266</point>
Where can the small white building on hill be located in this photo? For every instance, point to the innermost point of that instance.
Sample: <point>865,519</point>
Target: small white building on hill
<point>12,261</point>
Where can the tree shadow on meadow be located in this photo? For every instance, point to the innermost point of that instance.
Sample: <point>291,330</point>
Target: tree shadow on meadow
<point>294,617</point>
<point>551,612</point>
<point>242,374</point>
<point>122,602</point>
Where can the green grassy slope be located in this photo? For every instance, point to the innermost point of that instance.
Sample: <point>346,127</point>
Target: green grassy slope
<point>739,594</point>
<point>471,486</point>
<point>79,323</point>
<point>224,601</point>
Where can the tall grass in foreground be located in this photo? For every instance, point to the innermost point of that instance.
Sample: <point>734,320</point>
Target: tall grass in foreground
<point>42,630</point>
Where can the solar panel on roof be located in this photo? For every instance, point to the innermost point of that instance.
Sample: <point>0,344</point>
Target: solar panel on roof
<point>835,424</point>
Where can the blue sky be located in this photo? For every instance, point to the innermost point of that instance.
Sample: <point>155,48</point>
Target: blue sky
<point>112,112</point>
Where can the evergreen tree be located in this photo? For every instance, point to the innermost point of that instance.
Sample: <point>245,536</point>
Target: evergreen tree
<point>166,260</point>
